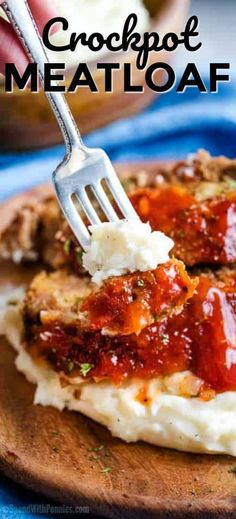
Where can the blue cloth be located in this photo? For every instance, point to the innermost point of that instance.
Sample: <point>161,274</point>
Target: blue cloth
<point>13,499</point>
<point>173,126</point>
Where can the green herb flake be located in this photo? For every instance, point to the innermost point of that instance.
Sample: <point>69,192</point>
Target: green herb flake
<point>94,458</point>
<point>231,183</point>
<point>140,283</point>
<point>67,246</point>
<point>55,449</point>
<point>106,470</point>
<point>85,369</point>
<point>79,255</point>
<point>165,338</point>
<point>160,317</point>
<point>232,470</point>
<point>98,448</point>
<point>70,365</point>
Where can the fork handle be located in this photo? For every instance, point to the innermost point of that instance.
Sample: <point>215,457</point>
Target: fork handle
<point>21,18</point>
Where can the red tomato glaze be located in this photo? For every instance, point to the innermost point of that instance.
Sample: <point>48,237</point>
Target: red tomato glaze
<point>127,304</point>
<point>213,325</point>
<point>201,338</point>
<point>203,232</point>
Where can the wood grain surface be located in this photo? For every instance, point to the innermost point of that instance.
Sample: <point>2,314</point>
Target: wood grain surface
<point>59,455</point>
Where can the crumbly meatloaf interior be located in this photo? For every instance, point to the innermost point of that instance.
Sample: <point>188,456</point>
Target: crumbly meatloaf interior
<point>194,201</point>
<point>28,231</point>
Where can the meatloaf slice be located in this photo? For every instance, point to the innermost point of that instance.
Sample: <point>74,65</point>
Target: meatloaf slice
<point>201,338</point>
<point>122,306</point>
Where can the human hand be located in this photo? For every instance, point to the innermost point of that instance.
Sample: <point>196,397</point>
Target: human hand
<point>11,50</point>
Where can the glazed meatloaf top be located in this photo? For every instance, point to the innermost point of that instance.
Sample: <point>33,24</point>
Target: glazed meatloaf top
<point>130,327</point>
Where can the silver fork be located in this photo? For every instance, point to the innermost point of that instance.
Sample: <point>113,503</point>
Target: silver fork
<point>82,167</point>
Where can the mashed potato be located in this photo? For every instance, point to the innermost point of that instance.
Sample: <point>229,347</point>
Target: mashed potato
<point>165,418</point>
<point>117,248</point>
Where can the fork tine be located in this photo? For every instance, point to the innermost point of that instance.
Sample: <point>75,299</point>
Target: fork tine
<point>87,206</point>
<point>121,197</point>
<point>104,201</point>
<point>79,228</point>
<point>71,181</point>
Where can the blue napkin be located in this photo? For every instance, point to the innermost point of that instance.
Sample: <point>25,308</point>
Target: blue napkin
<point>173,126</point>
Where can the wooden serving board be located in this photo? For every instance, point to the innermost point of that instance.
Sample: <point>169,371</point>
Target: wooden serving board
<point>53,453</point>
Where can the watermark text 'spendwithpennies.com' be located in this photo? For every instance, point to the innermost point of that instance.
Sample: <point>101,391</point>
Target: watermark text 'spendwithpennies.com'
<point>40,509</point>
